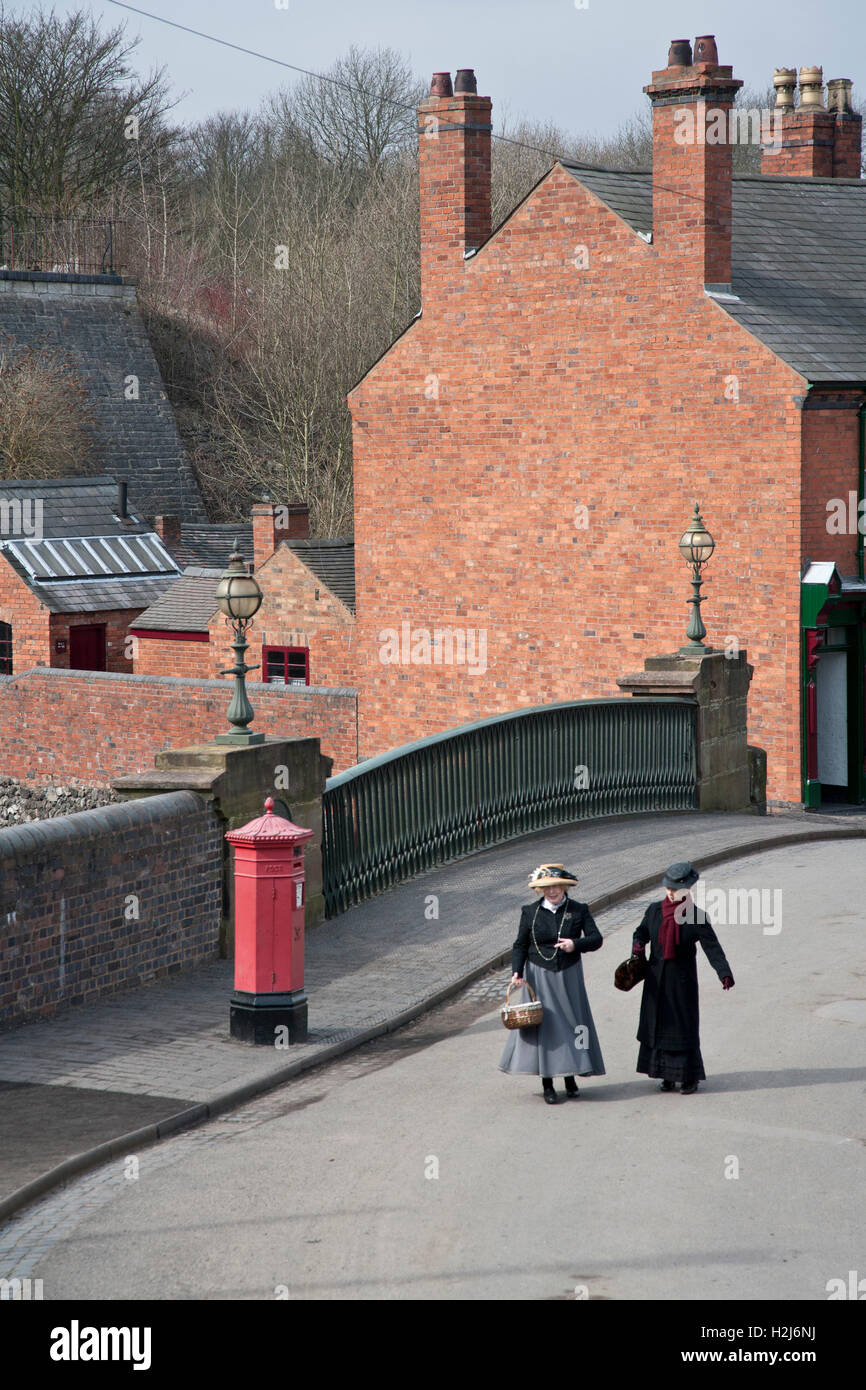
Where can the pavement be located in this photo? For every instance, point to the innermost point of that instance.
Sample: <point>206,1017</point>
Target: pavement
<point>112,1077</point>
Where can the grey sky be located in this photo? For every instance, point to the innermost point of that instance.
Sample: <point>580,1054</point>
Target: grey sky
<point>546,59</point>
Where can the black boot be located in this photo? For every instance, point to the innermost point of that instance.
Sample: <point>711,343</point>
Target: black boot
<point>668,1086</point>
<point>549,1093</point>
<point>571,1089</point>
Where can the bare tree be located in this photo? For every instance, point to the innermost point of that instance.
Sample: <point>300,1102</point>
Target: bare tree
<point>68,104</point>
<point>46,428</point>
<point>360,111</point>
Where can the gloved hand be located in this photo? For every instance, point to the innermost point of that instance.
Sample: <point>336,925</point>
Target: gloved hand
<point>638,948</point>
<point>727,982</point>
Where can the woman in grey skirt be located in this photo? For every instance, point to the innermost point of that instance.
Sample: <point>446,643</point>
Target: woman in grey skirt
<point>553,934</point>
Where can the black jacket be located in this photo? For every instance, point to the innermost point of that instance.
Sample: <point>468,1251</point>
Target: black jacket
<point>669,1014</point>
<point>571,918</point>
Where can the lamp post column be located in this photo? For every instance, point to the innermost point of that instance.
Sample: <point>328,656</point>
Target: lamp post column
<point>696,547</point>
<point>239,598</point>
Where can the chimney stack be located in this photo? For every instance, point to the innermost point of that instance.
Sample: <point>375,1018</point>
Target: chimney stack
<point>454,129</point>
<point>273,524</point>
<point>816,141</point>
<point>806,148</point>
<point>168,530</point>
<point>691,100</point>
<point>848,133</point>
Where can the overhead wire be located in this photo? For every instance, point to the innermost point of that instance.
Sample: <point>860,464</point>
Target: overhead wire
<point>333,81</point>
<point>391,101</point>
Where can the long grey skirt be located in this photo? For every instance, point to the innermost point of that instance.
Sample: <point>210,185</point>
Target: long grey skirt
<point>565,1042</point>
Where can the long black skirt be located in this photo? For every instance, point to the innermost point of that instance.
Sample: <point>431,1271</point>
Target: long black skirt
<point>671,1066</point>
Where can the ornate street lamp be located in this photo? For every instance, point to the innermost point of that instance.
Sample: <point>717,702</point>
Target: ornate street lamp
<point>239,598</point>
<point>696,547</point>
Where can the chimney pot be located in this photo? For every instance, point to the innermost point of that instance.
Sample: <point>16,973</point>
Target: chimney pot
<point>441,85</point>
<point>784,81</point>
<point>808,141</point>
<point>812,89</point>
<point>121,497</point>
<point>465,81</point>
<point>680,54</point>
<point>839,95</point>
<point>847,129</point>
<point>705,49</point>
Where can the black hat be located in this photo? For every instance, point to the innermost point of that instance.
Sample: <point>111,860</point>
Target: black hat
<point>681,875</point>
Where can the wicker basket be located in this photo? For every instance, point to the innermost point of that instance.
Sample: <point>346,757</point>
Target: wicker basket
<point>521,1015</point>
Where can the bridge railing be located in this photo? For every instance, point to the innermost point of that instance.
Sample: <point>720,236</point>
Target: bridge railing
<point>480,784</point>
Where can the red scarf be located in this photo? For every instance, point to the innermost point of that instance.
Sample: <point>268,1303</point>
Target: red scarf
<point>669,931</point>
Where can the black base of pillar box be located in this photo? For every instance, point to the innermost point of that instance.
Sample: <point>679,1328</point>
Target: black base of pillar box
<point>255,1018</point>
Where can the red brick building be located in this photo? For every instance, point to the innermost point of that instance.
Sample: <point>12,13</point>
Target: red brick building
<point>529,451</point>
<point>304,631</point>
<point>76,566</point>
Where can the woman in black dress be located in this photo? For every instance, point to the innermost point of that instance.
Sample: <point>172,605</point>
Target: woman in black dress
<point>668,1031</point>
<point>553,934</point>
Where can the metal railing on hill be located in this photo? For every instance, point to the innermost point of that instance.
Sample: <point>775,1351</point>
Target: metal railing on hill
<point>479,784</point>
<point>68,245</point>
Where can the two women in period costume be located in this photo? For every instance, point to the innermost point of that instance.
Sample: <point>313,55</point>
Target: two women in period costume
<point>547,955</point>
<point>554,932</point>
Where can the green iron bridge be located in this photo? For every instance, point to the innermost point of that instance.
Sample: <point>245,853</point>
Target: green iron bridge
<point>480,784</point>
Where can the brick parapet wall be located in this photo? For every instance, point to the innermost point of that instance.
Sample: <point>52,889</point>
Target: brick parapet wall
<point>89,727</point>
<point>101,900</point>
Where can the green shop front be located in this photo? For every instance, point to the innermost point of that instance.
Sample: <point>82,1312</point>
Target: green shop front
<point>833,624</point>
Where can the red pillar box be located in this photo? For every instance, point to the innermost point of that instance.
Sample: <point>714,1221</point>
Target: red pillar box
<point>269,930</point>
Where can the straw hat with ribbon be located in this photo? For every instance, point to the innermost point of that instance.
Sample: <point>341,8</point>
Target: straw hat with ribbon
<point>552,876</point>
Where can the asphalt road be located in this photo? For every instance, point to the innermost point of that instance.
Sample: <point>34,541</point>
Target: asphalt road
<point>414,1169</point>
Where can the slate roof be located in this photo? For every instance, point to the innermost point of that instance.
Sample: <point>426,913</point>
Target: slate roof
<point>78,555</point>
<point>75,506</point>
<point>331,561</point>
<point>99,597</point>
<point>798,262</point>
<point>213,544</point>
<point>187,606</point>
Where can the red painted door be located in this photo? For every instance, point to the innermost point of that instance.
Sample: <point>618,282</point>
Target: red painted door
<point>87,647</point>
